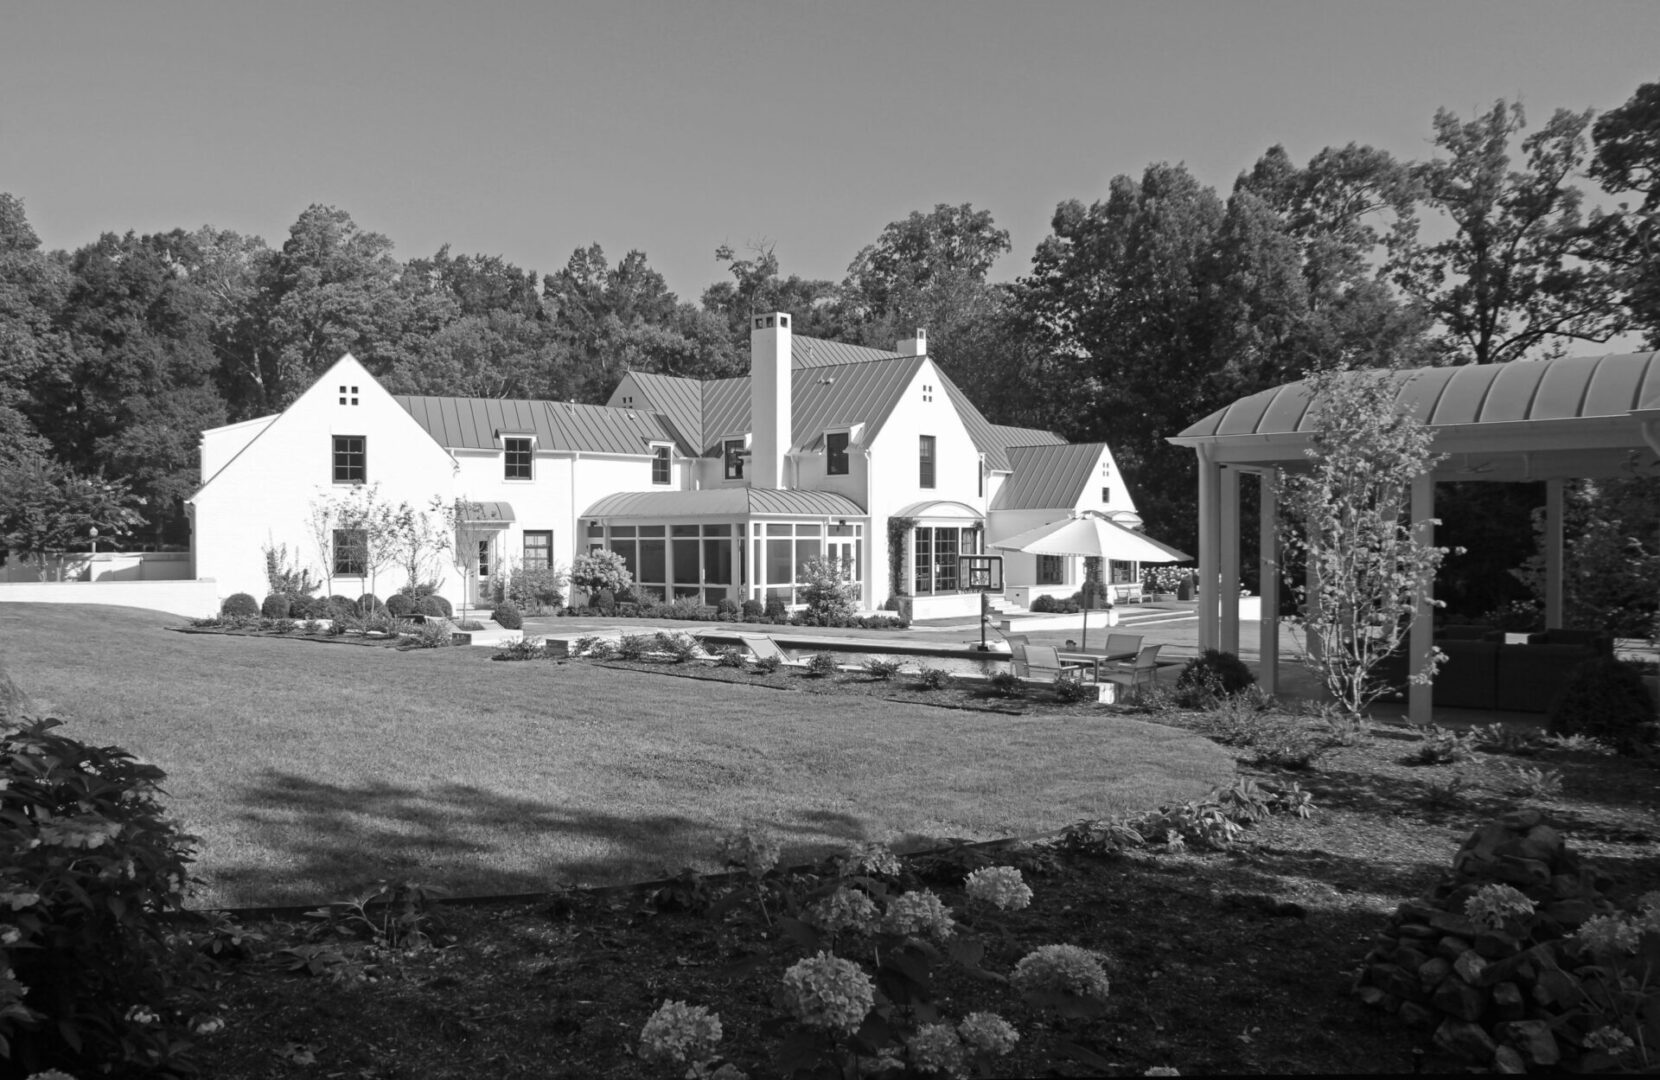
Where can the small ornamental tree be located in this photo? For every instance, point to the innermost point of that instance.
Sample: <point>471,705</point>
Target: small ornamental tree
<point>592,571</point>
<point>828,589</point>
<point>1342,520</point>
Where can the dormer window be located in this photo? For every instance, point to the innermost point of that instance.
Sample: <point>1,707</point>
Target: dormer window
<point>835,453</point>
<point>660,465</point>
<point>348,395</point>
<point>516,457</point>
<point>732,454</point>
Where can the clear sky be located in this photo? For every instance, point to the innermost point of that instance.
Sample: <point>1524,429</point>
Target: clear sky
<point>528,129</point>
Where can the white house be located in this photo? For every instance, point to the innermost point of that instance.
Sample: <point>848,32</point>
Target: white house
<point>714,489</point>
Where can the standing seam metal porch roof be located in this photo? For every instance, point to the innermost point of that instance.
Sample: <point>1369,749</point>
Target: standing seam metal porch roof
<point>1505,421</point>
<point>727,502</point>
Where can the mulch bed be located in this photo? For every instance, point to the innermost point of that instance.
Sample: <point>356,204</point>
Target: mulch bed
<point>1238,960</point>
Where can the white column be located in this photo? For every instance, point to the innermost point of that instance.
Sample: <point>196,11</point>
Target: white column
<point>1422,640</point>
<point>1210,508</point>
<point>1228,593</point>
<point>1553,554</point>
<point>1268,573</point>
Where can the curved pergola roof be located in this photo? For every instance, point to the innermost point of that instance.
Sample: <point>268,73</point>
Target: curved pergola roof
<point>1525,420</point>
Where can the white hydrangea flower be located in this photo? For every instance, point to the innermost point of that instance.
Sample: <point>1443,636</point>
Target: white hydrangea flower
<point>1610,1040</point>
<point>51,1074</point>
<point>874,859</point>
<point>988,1033</point>
<point>1063,969</point>
<point>844,909</point>
<point>10,935</point>
<point>141,1014</point>
<point>755,854</point>
<point>935,1048</point>
<point>826,991</point>
<point>678,1033</point>
<point>209,1025</point>
<point>1493,904</point>
<point>919,912</point>
<point>1162,1070</point>
<point>17,901</point>
<point>1000,886</point>
<point>1608,934</point>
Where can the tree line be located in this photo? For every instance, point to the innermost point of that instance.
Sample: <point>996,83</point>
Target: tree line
<point>1144,310</point>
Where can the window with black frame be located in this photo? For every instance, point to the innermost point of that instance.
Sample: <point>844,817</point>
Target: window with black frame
<point>835,453</point>
<point>351,552</point>
<point>351,459</point>
<point>659,464</point>
<point>516,458</point>
<point>925,461</point>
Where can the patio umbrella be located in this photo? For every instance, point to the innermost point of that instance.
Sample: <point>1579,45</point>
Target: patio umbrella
<point>1095,536</point>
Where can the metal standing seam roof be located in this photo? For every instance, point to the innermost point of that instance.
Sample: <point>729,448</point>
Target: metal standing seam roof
<point>472,423</point>
<point>859,393</point>
<point>680,399</point>
<point>725,502</point>
<point>1565,388</point>
<point>992,440</point>
<point>811,352</point>
<point>1051,477</point>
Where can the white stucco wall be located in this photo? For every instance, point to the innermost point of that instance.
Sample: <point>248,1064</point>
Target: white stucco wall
<point>266,493</point>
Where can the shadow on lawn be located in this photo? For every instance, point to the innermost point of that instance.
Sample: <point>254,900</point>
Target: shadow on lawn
<point>318,841</point>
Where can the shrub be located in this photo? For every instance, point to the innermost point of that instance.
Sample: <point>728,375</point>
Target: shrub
<point>878,668</point>
<point>369,604</point>
<point>535,589</point>
<point>726,608</point>
<point>507,616</point>
<point>775,609</point>
<point>434,607</point>
<point>428,635</point>
<point>520,650</point>
<point>635,646</point>
<point>401,604</point>
<point>1005,684</point>
<point>752,610</point>
<point>310,626</point>
<point>730,656</point>
<point>91,980</point>
<point>933,678</point>
<point>239,605</point>
<point>1221,673</point>
<point>828,589</point>
<point>768,664</point>
<point>821,664</point>
<point>597,572</point>
<point>1606,700</point>
<point>470,625</point>
<point>338,607</point>
<point>284,626</point>
<point>274,606</point>
<point>1071,688</point>
<point>678,644</point>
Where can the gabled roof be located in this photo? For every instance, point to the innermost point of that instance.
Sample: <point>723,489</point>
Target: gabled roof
<point>811,352</point>
<point>1051,477</point>
<point>993,440</point>
<point>680,400</point>
<point>472,424</point>
<point>732,501</point>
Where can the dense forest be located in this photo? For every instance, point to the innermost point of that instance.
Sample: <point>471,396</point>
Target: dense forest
<point>1144,309</point>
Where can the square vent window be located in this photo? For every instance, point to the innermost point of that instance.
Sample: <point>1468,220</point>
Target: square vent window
<point>348,395</point>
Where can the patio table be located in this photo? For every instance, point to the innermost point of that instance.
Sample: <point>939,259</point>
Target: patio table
<point>1094,660</point>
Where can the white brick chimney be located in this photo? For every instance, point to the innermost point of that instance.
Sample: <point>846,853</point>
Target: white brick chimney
<point>769,398</point>
<point>914,346</point>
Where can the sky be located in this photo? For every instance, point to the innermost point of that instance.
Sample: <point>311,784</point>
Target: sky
<point>529,129</point>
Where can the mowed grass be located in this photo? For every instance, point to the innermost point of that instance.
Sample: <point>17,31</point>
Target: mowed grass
<point>307,769</point>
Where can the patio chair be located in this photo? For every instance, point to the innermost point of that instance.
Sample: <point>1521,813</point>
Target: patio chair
<point>1145,668</point>
<point>1040,663</point>
<point>763,646</point>
<point>1123,644</point>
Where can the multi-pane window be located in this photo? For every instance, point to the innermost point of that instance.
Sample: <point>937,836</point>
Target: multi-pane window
<point>925,458</point>
<point>835,453</point>
<point>659,464</point>
<point>350,459</point>
<point>351,552</point>
<point>1106,494</point>
<point>517,458</point>
<point>538,549</point>
<point>1051,570</point>
<point>733,451</point>
<point>935,556</point>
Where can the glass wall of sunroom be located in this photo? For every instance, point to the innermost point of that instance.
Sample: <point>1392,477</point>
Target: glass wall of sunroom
<point>711,561</point>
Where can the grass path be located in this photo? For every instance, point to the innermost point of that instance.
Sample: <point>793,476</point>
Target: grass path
<point>307,768</point>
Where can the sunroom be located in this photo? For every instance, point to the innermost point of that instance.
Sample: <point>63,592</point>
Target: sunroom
<point>728,543</point>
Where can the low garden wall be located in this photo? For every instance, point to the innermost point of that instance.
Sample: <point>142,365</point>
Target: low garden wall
<point>103,566</point>
<point>190,598</point>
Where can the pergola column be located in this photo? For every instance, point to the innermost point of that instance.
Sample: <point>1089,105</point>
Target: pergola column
<point>1422,639</point>
<point>1268,575</point>
<point>1228,590</point>
<point>1210,544</point>
<point>1553,554</point>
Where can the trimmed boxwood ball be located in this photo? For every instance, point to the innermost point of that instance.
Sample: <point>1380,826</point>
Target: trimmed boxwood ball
<point>368,604</point>
<point>275,606</point>
<point>435,606</point>
<point>301,606</point>
<point>1222,670</point>
<point>340,606</point>
<point>399,604</point>
<point>239,604</point>
<point>507,616</point>
<point>1606,699</point>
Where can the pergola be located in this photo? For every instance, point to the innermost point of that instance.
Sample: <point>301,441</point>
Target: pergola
<point>1549,420</point>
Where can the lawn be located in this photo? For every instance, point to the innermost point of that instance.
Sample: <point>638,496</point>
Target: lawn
<point>309,768</point>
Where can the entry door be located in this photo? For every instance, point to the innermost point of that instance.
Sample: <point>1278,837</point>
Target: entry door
<point>484,566</point>
<point>844,551</point>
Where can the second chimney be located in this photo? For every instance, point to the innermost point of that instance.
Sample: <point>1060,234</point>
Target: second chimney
<point>914,346</point>
<point>769,398</point>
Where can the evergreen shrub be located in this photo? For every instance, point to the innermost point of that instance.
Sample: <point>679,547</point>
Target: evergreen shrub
<point>400,604</point>
<point>239,605</point>
<point>435,606</point>
<point>1606,700</point>
<point>507,616</point>
<point>275,606</point>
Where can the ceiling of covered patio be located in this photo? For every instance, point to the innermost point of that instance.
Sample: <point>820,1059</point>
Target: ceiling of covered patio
<point>1529,420</point>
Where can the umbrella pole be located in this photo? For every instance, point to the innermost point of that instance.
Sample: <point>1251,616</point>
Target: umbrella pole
<point>1083,642</point>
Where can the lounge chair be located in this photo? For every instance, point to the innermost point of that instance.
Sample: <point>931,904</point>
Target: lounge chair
<point>763,646</point>
<point>1145,668</point>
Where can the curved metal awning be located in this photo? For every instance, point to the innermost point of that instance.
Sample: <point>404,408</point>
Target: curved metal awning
<point>941,510</point>
<point>724,502</point>
<point>1525,420</point>
<point>479,513</point>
